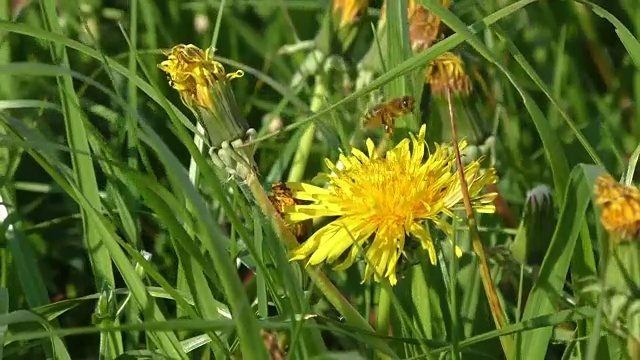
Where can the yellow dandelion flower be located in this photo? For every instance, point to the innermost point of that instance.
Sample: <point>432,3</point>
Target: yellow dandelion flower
<point>620,206</point>
<point>378,201</point>
<point>349,10</point>
<point>447,72</point>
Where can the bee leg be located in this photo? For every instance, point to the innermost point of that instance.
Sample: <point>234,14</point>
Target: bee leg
<point>235,157</point>
<point>388,123</point>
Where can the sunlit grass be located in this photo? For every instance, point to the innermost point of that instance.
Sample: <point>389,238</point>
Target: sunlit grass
<point>122,237</point>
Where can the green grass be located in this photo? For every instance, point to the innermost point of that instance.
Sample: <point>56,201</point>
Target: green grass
<point>99,162</point>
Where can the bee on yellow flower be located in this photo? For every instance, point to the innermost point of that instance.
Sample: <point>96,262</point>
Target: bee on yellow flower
<point>378,203</point>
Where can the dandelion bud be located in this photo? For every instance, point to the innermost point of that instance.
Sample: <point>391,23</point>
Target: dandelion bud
<point>536,227</point>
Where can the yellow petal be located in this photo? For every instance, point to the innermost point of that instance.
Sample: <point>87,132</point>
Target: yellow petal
<point>425,239</point>
<point>335,238</point>
<point>298,213</point>
<point>359,155</point>
<point>371,149</point>
<point>349,260</point>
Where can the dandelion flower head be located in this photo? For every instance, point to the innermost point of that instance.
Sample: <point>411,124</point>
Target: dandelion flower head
<point>377,201</point>
<point>193,71</point>
<point>620,206</point>
<point>447,72</point>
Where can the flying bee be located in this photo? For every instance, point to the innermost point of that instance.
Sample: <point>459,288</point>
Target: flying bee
<point>385,114</point>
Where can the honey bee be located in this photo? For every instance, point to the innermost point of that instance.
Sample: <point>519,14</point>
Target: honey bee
<point>385,114</point>
<point>282,196</point>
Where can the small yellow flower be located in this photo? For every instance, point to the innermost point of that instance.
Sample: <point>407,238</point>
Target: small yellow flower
<point>349,10</point>
<point>378,201</point>
<point>447,72</point>
<point>620,206</point>
<point>193,72</point>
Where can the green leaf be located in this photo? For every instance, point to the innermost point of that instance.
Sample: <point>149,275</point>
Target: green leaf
<point>628,40</point>
<point>555,265</point>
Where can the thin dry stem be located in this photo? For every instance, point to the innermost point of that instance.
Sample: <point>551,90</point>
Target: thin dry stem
<point>383,144</point>
<point>485,274</point>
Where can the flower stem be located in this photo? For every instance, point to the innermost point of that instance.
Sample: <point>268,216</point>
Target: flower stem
<point>301,158</point>
<point>383,144</point>
<point>384,311</point>
<point>485,274</point>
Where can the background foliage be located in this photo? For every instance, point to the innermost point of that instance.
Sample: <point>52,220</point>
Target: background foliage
<point>556,92</point>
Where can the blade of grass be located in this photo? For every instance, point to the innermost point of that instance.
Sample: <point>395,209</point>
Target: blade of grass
<point>4,309</point>
<point>527,325</point>
<point>404,68</point>
<point>25,260</point>
<point>84,172</point>
<point>132,91</point>
<point>27,269</point>
<point>48,69</point>
<point>552,147</point>
<point>517,55</point>
<point>628,40</point>
<point>399,49</point>
<point>213,240</point>
<point>206,304</point>
<point>494,301</point>
<point>407,66</point>
<point>41,154</point>
<point>209,237</point>
<point>555,265</point>
<point>26,316</point>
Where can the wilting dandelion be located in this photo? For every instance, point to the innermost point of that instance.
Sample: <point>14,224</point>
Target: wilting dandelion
<point>193,72</point>
<point>447,72</point>
<point>620,206</point>
<point>204,86</point>
<point>378,201</point>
